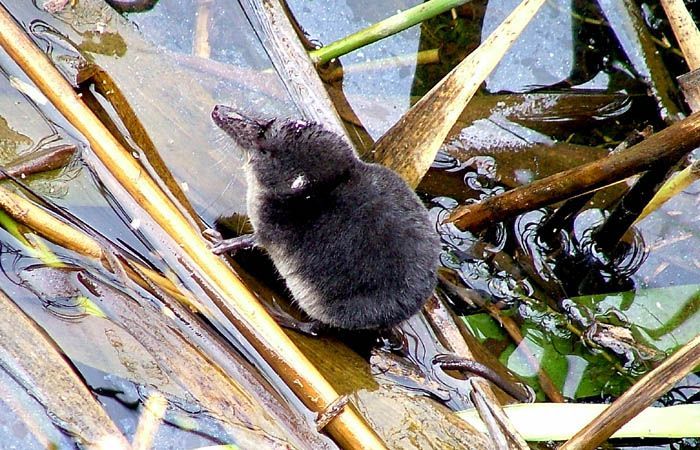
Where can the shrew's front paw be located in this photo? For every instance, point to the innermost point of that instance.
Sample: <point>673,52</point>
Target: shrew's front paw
<point>220,246</point>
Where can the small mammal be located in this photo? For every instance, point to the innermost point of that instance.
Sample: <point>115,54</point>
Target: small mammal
<point>352,240</point>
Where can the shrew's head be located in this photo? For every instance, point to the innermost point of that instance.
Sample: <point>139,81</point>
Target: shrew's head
<point>288,157</point>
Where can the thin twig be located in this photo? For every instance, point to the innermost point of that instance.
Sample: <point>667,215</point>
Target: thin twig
<point>669,144</point>
<point>380,30</point>
<point>444,325</point>
<point>637,398</point>
<point>513,331</point>
<point>431,56</point>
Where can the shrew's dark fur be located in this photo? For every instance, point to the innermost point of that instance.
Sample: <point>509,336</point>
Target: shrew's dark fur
<point>352,240</point>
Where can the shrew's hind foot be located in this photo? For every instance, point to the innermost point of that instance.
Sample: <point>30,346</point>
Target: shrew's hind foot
<point>309,327</point>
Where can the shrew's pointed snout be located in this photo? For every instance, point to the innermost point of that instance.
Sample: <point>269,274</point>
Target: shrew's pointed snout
<point>225,116</point>
<point>245,131</point>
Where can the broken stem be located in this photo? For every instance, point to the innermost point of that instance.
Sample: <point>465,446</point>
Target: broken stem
<point>669,144</point>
